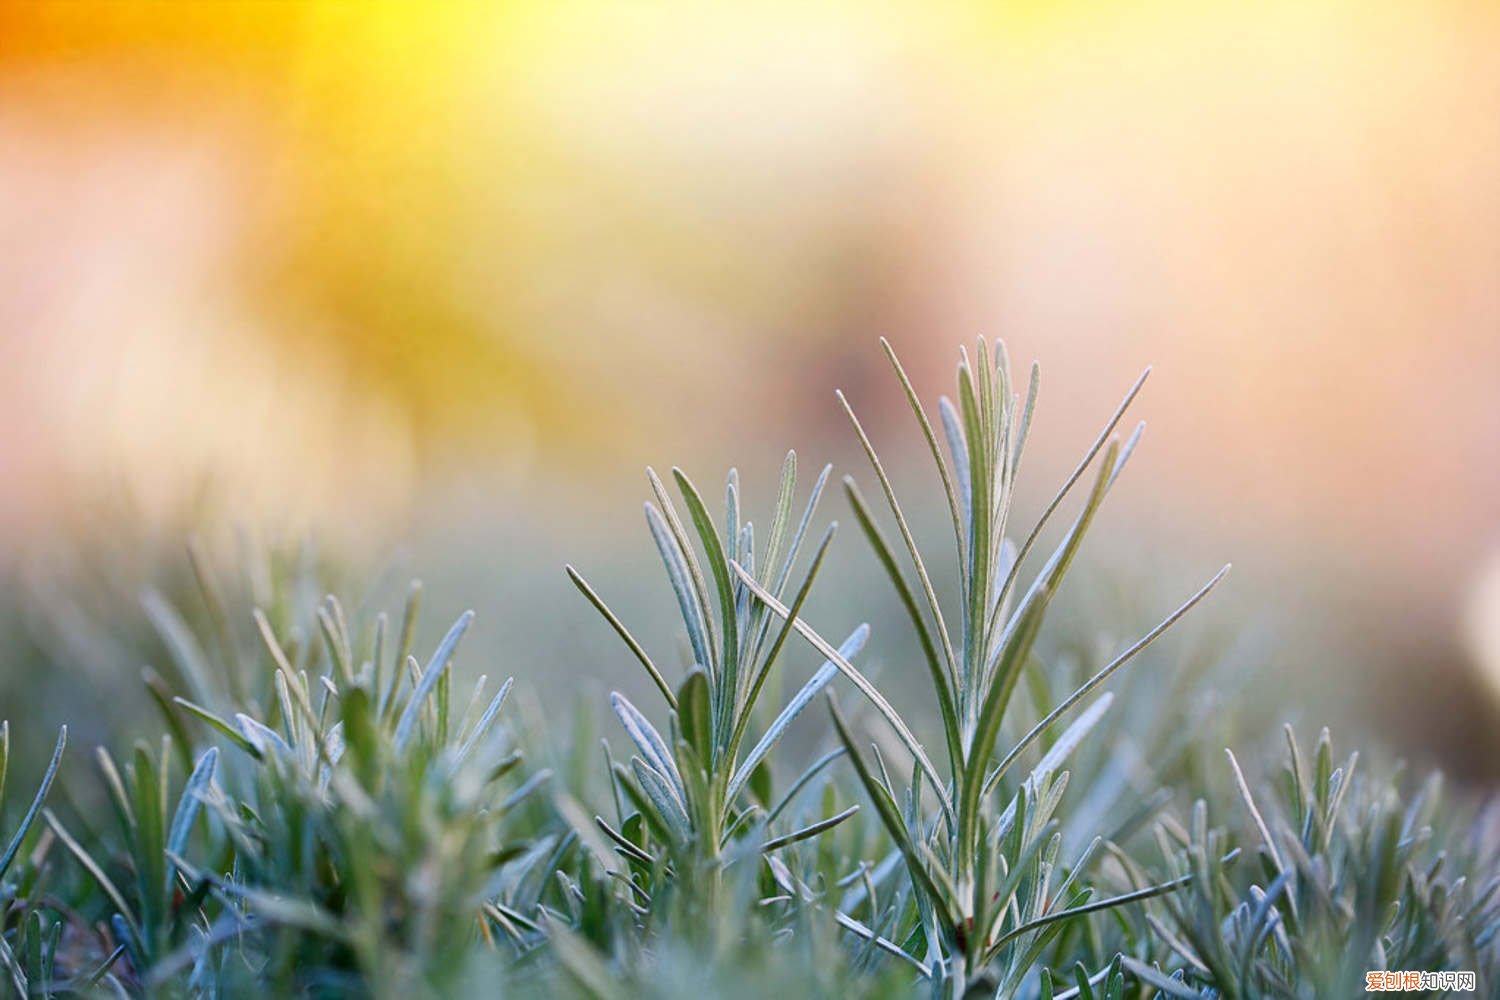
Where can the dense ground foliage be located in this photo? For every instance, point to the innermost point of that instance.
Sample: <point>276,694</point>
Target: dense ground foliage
<point>325,814</point>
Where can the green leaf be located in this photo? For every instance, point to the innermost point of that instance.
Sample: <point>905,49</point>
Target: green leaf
<point>669,806</point>
<point>812,771</point>
<point>1249,799</point>
<point>1023,636</point>
<point>1099,678</point>
<point>360,735</point>
<point>718,564</point>
<point>763,670</point>
<point>779,585</point>
<point>884,707</point>
<point>760,783</point>
<point>157,689</point>
<point>650,743</point>
<point>482,728</point>
<point>694,612</point>
<point>1077,473</point>
<point>190,801</point>
<point>626,847</point>
<point>1027,411</point>
<point>436,666</point>
<point>693,713</point>
<point>890,816</point>
<point>819,680</point>
<point>93,867</point>
<point>911,545</point>
<point>262,737</point>
<point>689,558</point>
<point>780,519</point>
<point>955,509</point>
<point>958,448</point>
<point>1075,734</point>
<point>812,830</point>
<point>1155,978</point>
<point>587,968</point>
<point>12,965</point>
<point>623,632</point>
<point>404,645</point>
<point>981,480</point>
<point>942,682</point>
<point>151,840</point>
<point>1150,892</point>
<point>41,793</point>
<point>1051,575</point>
<point>286,674</point>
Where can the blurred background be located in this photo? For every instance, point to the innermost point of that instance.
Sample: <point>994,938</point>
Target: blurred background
<point>432,283</point>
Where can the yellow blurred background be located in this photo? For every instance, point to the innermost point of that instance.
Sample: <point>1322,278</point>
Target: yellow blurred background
<point>344,268</point>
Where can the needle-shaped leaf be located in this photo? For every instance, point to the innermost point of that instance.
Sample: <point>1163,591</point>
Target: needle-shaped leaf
<point>1050,577</point>
<point>665,798</point>
<point>694,612</point>
<point>191,800</point>
<point>1255,815</point>
<point>647,740</point>
<point>884,707</point>
<point>975,405</point>
<point>623,632</point>
<point>732,533</point>
<point>811,830</point>
<point>689,558</point>
<point>890,816</point>
<point>950,492</point>
<point>223,728</point>
<point>1028,410</point>
<point>116,897</point>
<point>1014,653</point>
<point>819,680</point>
<point>1099,678</point>
<point>1075,734</point>
<point>718,564</point>
<point>958,448</point>
<point>36,802</point>
<point>911,544</point>
<point>776,569</point>
<point>1077,474</point>
<point>435,669</point>
<point>693,713</point>
<point>482,727</point>
<point>780,520</point>
<point>812,771</point>
<point>284,666</point>
<point>262,737</point>
<point>942,682</point>
<point>763,669</point>
<point>404,645</point>
<point>1150,892</point>
<point>785,572</point>
<point>1153,977</point>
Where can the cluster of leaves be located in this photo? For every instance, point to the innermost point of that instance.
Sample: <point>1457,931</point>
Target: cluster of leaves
<point>1350,876</point>
<point>326,816</point>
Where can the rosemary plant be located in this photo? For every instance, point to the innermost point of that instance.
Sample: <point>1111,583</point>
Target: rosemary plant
<point>1353,877</point>
<point>323,814</point>
<point>27,953</point>
<point>358,840</point>
<point>987,903</point>
<point>699,791</point>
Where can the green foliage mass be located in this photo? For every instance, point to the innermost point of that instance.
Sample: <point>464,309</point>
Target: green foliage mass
<point>325,814</point>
